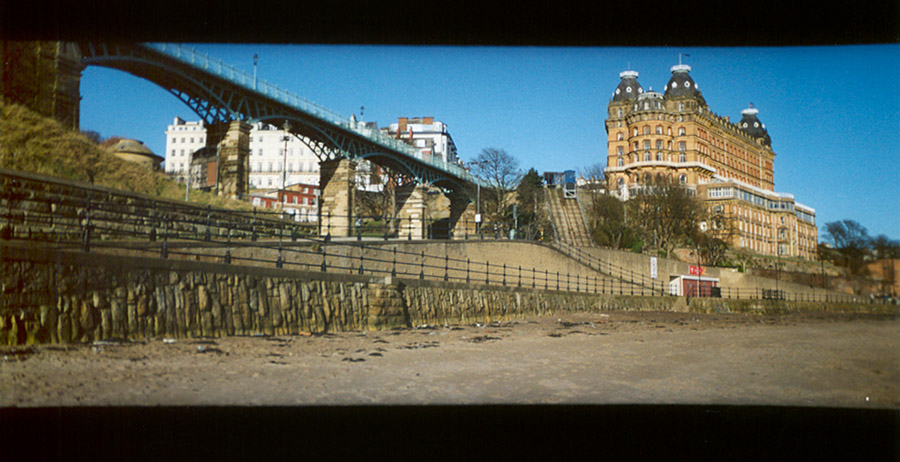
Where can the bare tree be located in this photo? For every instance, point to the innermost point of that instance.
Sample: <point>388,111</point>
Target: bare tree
<point>665,213</point>
<point>501,171</point>
<point>851,240</point>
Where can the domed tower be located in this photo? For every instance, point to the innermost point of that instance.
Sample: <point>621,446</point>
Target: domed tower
<point>751,125</point>
<point>623,102</point>
<point>628,88</point>
<point>682,91</point>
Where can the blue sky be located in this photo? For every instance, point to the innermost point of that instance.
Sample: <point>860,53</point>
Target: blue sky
<point>832,111</point>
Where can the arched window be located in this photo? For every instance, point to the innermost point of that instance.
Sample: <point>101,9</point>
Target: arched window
<point>635,131</point>
<point>646,130</point>
<point>636,146</point>
<point>682,179</point>
<point>621,183</point>
<point>659,129</point>
<point>680,131</point>
<point>646,144</point>
<point>647,156</point>
<point>619,137</point>
<point>646,178</point>
<point>620,162</point>
<point>658,144</point>
<point>659,156</point>
<point>682,157</point>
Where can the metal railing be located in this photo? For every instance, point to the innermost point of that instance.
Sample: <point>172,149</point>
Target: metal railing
<point>88,219</point>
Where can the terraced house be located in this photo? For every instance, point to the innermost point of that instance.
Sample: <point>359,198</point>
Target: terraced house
<point>730,166</point>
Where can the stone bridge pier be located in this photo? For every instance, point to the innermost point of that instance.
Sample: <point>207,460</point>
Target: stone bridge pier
<point>337,183</point>
<point>412,211</point>
<point>232,141</point>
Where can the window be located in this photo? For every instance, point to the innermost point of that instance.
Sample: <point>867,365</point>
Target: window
<point>659,144</point>
<point>621,183</point>
<point>680,131</point>
<point>646,144</point>
<point>192,139</point>
<point>680,105</point>
<point>635,132</point>
<point>619,137</point>
<point>635,146</point>
<point>682,179</point>
<point>682,157</point>
<point>620,162</point>
<point>647,156</point>
<point>620,150</point>
<point>682,146</point>
<point>659,156</point>
<point>659,129</point>
<point>646,130</point>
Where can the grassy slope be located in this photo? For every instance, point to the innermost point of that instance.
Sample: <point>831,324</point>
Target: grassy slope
<point>32,143</point>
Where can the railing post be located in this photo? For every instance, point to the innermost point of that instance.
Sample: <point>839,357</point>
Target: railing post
<point>487,271</point>
<point>165,245</point>
<point>632,282</point>
<point>446,267</point>
<point>422,266</point>
<point>228,248</point>
<point>394,264</point>
<point>208,236</point>
<point>533,277</point>
<point>520,276</point>
<point>359,231</point>
<point>253,227</point>
<point>467,270</point>
<point>557,280</point>
<point>504,274</point>
<point>362,249</point>
<point>324,267</point>
<point>86,244</point>
<point>280,262</point>
<point>546,279</point>
<point>328,231</point>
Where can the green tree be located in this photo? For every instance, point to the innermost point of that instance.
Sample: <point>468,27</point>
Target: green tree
<point>532,217</point>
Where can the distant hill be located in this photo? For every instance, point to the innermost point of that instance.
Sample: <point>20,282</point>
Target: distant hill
<point>32,143</point>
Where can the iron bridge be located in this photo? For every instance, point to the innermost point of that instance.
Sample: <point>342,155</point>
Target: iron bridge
<point>218,92</point>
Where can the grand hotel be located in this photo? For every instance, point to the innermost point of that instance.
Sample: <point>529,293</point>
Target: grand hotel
<point>729,166</point>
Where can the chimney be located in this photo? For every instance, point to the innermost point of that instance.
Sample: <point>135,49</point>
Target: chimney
<point>401,121</point>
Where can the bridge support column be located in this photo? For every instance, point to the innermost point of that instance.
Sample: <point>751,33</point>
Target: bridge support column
<point>43,76</point>
<point>462,216</point>
<point>233,170</point>
<point>412,211</point>
<point>337,183</point>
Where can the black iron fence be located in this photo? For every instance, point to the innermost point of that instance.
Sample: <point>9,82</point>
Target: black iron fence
<point>91,219</point>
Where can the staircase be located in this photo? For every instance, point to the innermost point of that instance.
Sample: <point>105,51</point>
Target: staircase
<point>568,222</point>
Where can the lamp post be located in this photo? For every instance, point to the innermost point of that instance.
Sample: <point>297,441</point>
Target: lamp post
<point>478,196</point>
<point>285,138</point>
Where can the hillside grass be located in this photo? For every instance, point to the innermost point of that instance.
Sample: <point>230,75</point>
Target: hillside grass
<point>32,143</point>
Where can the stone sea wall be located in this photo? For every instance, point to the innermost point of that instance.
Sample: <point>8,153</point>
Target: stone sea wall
<point>52,296</point>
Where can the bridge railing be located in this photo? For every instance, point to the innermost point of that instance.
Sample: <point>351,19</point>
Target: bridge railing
<point>89,219</point>
<point>241,78</point>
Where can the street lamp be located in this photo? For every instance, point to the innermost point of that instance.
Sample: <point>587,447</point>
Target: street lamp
<point>285,138</point>
<point>478,196</point>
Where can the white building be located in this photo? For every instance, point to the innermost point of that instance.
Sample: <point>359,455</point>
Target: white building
<point>267,160</point>
<point>428,136</point>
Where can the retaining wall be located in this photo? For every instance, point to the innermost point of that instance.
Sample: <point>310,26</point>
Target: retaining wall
<point>70,296</point>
